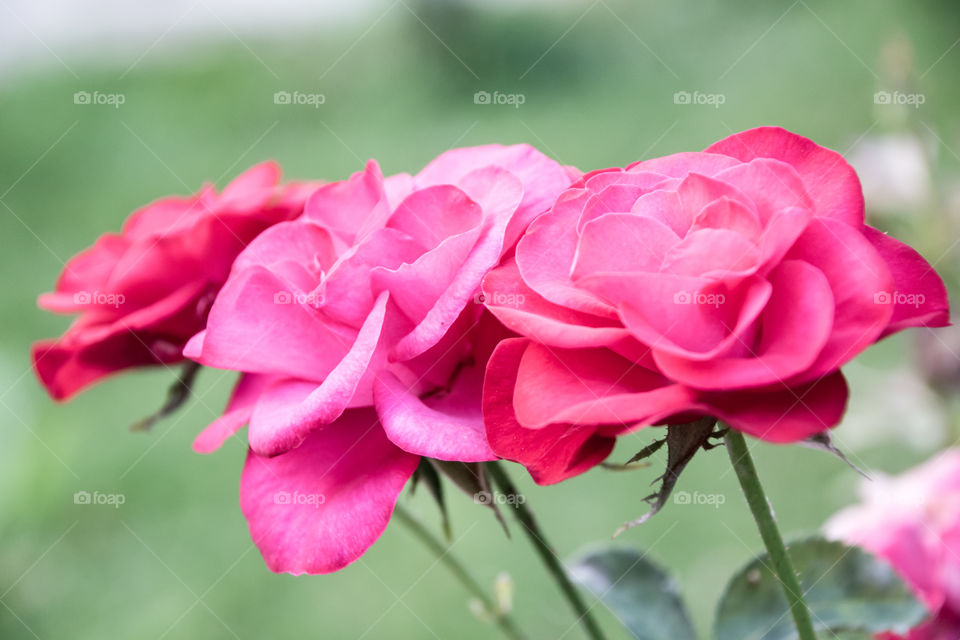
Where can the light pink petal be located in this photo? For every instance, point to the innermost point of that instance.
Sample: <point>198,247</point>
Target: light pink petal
<point>771,185</point>
<point>622,242</point>
<point>725,213</point>
<point>433,214</point>
<point>292,409</point>
<point>542,178</point>
<point>346,293</point>
<point>319,507</point>
<point>617,198</point>
<point>550,454</point>
<point>795,325</point>
<point>919,297</point>
<point>240,406</point>
<point>445,426</point>
<point>678,165</point>
<point>830,181</point>
<point>298,251</point>
<point>545,256</point>
<point>713,253</point>
<point>665,206</point>
<point>351,208</point>
<point>464,286</point>
<point>257,326</point>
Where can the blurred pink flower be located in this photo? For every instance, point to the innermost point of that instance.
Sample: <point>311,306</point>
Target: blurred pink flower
<point>363,345</point>
<point>733,283</point>
<point>143,292</point>
<point>913,521</point>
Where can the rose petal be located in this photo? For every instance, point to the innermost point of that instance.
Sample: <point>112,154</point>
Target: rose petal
<point>445,427</point>
<point>830,181</point>
<point>550,454</point>
<point>919,297</point>
<point>319,507</point>
<point>239,407</point>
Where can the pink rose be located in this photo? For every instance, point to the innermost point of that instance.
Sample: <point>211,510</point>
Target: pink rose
<point>913,521</point>
<point>362,344</point>
<point>143,292</point>
<point>733,283</point>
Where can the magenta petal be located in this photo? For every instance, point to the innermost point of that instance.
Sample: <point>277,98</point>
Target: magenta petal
<point>831,182</point>
<point>448,426</point>
<point>590,387</point>
<point>784,414</point>
<point>319,507</point>
<point>244,396</point>
<point>550,454</point>
<point>919,297</point>
<point>857,274</point>
<point>794,326</point>
<point>289,410</point>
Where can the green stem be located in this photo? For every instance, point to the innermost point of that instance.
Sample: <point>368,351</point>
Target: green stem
<point>503,621</point>
<point>763,514</point>
<point>525,516</point>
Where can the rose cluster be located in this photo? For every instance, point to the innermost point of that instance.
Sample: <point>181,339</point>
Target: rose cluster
<point>495,304</point>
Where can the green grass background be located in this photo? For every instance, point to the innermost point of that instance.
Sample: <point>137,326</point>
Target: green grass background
<point>596,95</point>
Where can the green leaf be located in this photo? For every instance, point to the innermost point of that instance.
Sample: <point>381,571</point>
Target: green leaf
<point>846,588</point>
<point>644,598</point>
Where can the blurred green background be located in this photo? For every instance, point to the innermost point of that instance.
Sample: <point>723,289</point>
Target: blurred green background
<point>598,81</point>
